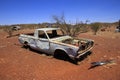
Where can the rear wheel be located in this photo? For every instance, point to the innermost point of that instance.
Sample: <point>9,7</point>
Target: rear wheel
<point>25,45</point>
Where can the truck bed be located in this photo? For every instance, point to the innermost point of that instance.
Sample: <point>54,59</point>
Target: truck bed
<point>30,34</point>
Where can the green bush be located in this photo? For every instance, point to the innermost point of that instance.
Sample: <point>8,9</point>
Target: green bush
<point>95,27</point>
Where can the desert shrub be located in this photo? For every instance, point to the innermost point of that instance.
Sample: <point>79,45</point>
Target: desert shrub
<point>69,29</point>
<point>60,22</point>
<point>78,28</point>
<point>95,27</point>
<point>9,31</point>
<point>83,28</point>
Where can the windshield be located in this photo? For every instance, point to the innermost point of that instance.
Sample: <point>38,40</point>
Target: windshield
<point>55,33</point>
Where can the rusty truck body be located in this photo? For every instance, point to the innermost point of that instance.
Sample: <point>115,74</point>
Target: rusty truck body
<point>51,41</point>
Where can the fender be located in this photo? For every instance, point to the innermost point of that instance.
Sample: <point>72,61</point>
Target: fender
<point>70,52</point>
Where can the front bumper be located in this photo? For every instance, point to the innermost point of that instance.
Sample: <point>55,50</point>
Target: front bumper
<point>86,50</point>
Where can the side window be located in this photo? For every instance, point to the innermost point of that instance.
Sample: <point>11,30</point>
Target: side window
<point>54,33</point>
<point>41,34</point>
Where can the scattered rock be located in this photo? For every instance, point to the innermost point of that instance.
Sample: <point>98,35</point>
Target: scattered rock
<point>2,60</point>
<point>104,56</point>
<point>118,57</point>
<point>43,55</point>
<point>50,57</point>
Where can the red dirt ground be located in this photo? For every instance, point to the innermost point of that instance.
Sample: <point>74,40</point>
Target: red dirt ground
<point>17,63</point>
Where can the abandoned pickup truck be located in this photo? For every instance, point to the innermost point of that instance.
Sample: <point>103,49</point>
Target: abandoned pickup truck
<point>51,41</point>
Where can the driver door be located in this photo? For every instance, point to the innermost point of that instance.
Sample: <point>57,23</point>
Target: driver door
<point>42,42</point>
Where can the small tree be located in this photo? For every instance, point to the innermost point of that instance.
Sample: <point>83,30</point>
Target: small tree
<point>69,29</point>
<point>95,27</point>
<point>61,22</point>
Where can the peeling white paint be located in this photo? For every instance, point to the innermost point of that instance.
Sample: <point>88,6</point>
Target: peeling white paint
<point>71,46</point>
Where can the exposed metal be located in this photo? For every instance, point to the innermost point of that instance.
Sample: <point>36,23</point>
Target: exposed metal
<point>100,63</point>
<point>48,40</point>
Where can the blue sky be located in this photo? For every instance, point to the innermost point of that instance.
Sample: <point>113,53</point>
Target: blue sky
<point>39,11</point>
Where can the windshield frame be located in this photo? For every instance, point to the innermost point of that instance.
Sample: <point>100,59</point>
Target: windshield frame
<point>54,33</point>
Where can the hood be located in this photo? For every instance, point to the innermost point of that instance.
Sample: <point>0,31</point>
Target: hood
<point>61,39</point>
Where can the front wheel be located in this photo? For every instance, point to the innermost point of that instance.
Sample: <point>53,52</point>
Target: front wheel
<point>59,54</point>
<point>75,61</point>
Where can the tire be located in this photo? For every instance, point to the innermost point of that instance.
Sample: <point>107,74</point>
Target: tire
<point>25,45</point>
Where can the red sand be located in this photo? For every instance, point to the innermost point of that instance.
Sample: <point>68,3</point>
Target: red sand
<point>17,63</point>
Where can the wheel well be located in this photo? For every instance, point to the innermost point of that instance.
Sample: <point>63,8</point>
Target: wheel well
<point>59,51</point>
<point>60,54</point>
<point>25,42</point>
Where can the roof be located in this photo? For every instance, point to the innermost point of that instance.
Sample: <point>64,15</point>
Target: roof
<point>47,29</point>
